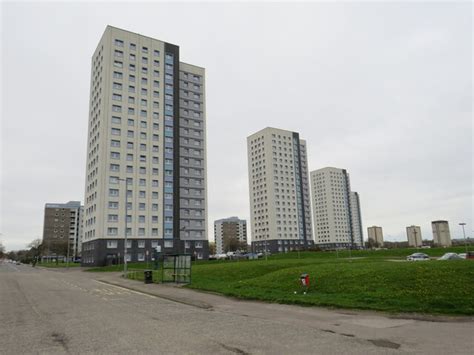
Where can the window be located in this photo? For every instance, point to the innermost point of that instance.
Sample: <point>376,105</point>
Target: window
<point>115,143</point>
<point>133,46</point>
<point>114,155</point>
<point>142,194</point>
<point>114,167</point>
<point>129,157</point>
<point>116,97</point>
<point>130,122</point>
<point>131,67</point>
<point>117,120</point>
<point>141,231</point>
<point>131,78</point>
<point>131,89</point>
<point>132,57</point>
<point>156,53</point>
<point>145,49</point>
<point>112,244</point>
<point>119,43</point>
<point>154,219</point>
<point>117,86</point>
<point>112,218</point>
<point>129,145</point>
<point>113,205</point>
<point>141,219</point>
<point>154,207</point>
<point>118,64</point>
<point>130,134</point>
<point>154,183</point>
<point>116,108</point>
<point>168,243</point>
<point>154,195</point>
<point>141,244</point>
<point>118,54</point>
<point>141,206</point>
<point>140,257</point>
<point>116,131</point>
<point>142,170</point>
<point>113,192</point>
<point>129,169</point>
<point>118,75</point>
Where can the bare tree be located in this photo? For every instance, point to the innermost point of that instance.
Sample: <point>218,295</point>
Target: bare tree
<point>2,250</point>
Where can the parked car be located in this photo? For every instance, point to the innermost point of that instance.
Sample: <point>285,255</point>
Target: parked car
<point>418,257</point>
<point>463,255</point>
<point>450,256</point>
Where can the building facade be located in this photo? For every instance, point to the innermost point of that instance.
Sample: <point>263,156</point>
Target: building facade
<point>336,210</point>
<point>356,220</point>
<point>230,228</point>
<point>63,225</point>
<point>375,236</point>
<point>441,233</point>
<point>146,152</point>
<point>279,191</point>
<point>414,236</point>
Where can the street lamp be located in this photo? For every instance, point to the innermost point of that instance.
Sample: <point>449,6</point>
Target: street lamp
<point>462,224</point>
<point>125,255</point>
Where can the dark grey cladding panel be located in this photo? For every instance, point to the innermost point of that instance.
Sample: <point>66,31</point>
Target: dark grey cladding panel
<point>173,49</point>
<point>296,136</point>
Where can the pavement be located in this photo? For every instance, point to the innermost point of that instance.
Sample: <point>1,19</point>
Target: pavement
<point>51,311</point>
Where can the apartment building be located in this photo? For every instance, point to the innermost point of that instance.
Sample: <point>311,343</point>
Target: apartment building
<point>62,229</point>
<point>230,228</point>
<point>441,233</point>
<point>414,236</point>
<point>279,191</point>
<point>336,210</point>
<point>146,151</point>
<point>375,235</point>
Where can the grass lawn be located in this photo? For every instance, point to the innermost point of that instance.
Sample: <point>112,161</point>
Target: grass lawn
<point>59,265</point>
<point>371,280</point>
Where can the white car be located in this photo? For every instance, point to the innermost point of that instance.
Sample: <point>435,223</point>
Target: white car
<point>418,257</point>
<point>450,256</point>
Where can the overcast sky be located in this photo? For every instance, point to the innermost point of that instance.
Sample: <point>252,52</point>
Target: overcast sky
<point>383,90</point>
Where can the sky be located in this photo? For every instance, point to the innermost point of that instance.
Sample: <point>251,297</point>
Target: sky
<point>382,89</point>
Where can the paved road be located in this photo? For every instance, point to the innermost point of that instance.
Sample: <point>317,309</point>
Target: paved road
<point>49,312</point>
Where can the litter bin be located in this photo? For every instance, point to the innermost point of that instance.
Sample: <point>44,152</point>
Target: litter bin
<point>148,276</point>
<point>304,278</point>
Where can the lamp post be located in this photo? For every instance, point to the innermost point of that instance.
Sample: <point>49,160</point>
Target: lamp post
<point>125,255</point>
<point>462,224</point>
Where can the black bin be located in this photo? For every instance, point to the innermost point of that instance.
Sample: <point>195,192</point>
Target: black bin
<point>148,276</point>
